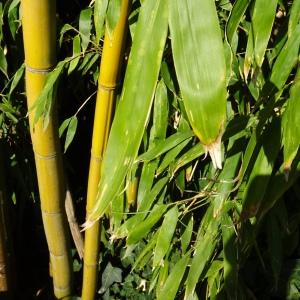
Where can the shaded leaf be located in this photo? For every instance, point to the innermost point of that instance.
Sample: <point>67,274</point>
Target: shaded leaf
<point>165,235</point>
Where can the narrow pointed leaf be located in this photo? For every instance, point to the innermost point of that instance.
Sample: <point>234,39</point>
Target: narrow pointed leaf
<point>165,235</point>
<point>169,290</point>
<point>291,124</point>
<point>142,229</point>
<point>294,17</point>
<point>85,26</point>
<point>100,9</point>
<point>262,20</point>
<point>236,15</point>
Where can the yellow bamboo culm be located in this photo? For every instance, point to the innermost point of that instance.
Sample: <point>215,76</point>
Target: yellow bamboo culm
<point>39,33</point>
<point>108,79</point>
<point>5,272</point>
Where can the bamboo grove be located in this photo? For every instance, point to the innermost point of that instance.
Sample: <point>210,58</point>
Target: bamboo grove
<point>169,129</point>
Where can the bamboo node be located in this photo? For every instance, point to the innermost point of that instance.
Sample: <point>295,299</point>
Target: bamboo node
<point>45,157</point>
<point>39,70</point>
<point>97,158</point>
<point>108,87</point>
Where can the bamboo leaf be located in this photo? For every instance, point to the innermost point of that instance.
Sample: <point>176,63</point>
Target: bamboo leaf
<point>160,114</point>
<point>262,21</point>
<point>139,86</point>
<point>143,228</point>
<point>165,235</point>
<point>230,256</point>
<point>286,60</point>
<point>187,234</point>
<point>76,54</point>
<point>72,126</point>
<point>100,9</point>
<point>236,15</point>
<point>113,14</point>
<point>169,290</point>
<point>165,145</point>
<point>261,171</point>
<point>64,126</point>
<point>294,17</point>
<point>17,77</point>
<point>3,62</point>
<point>85,26</point>
<point>291,124</point>
<point>171,156</point>
<point>143,209</point>
<point>204,248</point>
<point>43,104</point>
<point>198,54</point>
<point>64,29</point>
<point>193,153</point>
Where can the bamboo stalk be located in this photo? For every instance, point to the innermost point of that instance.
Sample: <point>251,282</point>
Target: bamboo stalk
<point>39,33</point>
<point>5,264</point>
<point>108,78</point>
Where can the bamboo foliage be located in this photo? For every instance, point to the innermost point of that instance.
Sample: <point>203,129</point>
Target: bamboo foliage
<point>107,85</point>
<point>38,20</point>
<point>143,66</point>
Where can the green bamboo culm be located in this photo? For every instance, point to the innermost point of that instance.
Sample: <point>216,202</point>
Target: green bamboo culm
<point>39,34</point>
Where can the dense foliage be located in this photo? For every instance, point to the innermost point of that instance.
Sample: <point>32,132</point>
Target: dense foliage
<point>173,225</point>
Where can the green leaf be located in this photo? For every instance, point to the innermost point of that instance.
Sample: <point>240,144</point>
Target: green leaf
<point>193,153</point>
<point>291,124</point>
<point>13,18</point>
<point>261,170</point>
<point>76,54</point>
<point>16,79</point>
<point>64,126</point>
<point>149,246</point>
<point>43,103</point>
<point>100,9</point>
<point>294,17</point>
<point>160,114</point>
<point>110,275</point>
<point>113,14</point>
<point>204,248</point>
<point>137,96</point>
<point>72,126</point>
<point>199,59</point>
<point>165,145</point>
<point>286,60</point>
<point>3,62</point>
<point>169,290</point>
<point>230,256</point>
<point>187,235</point>
<point>171,156</point>
<point>64,29</point>
<point>85,26</point>
<point>143,228</point>
<point>262,21</point>
<point>236,15</point>
<point>165,235</point>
